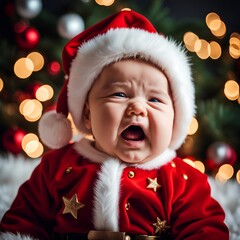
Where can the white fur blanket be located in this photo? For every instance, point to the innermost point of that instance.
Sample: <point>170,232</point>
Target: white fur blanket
<point>14,170</point>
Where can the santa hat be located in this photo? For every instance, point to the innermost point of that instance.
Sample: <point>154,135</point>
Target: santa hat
<point>126,34</point>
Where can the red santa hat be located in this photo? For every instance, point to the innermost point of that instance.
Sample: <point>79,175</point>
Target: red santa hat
<point>126,34</point>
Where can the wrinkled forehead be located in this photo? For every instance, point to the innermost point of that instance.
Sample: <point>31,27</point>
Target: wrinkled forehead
<point>132,73</point>
<point>139,59</point>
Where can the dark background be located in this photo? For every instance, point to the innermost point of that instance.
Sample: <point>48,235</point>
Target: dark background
<point>184,10</point>
<point>229,11</point>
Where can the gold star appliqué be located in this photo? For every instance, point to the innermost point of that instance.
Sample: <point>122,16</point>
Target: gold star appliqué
<point>153,184</point>
<point>72,205</point>
<point>161,226</point>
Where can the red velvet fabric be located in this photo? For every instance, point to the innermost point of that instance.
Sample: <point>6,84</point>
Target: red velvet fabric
<point>122,19</point>
<point>186,205</point>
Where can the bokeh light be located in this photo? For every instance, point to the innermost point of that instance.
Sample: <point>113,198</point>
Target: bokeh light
<point>37,59</point>
<point>1,84</point>
<point>189,162</point>
<point>224,173</point>
<point>216,25</point>
<point>189,40</point>
<point>202,48</point>
<point>234,45</point>
<point>231,90</point>
<point>211,18</point>
<point>44,93</point>
<point>238,176</point>
<point>221,31</point>
<point>200,166</point>
<point>196,164</point>
<point>31,109</point>
<point>23,68</point>
<point>105,2</point>
<point>26,107</point>
<point>215,50</point>
<point>27,138</point>
<point>126,9</point>
<point>193,127</point>
<point>31,145</point>
<point>54,68</point>
<point>219,178</point>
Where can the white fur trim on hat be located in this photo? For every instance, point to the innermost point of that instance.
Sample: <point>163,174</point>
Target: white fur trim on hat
<point>55,129</point>
<point>121,43</point>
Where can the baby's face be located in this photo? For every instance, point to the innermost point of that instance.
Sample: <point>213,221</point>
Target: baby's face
<point>130,111</point>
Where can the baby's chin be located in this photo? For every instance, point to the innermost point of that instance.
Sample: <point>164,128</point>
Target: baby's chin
<point>134,158</point>
<point>129,156</point>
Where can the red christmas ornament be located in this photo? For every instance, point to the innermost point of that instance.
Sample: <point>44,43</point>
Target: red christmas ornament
<point>12,140</point>
<point>27,37</point>
<point>219,153</point>
<point>54,68</point>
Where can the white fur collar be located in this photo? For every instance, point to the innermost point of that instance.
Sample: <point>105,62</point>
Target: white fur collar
<point>107,187</point>
<point>107,194</point>
<point>85,147</point>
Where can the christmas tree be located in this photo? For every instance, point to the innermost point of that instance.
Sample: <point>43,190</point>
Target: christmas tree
<point>33,33</point>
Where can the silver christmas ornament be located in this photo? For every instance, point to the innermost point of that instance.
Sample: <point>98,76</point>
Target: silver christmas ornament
<point>28,8</point>
<point>69,25</point>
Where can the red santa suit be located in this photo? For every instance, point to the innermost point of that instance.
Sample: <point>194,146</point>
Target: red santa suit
<point>77,189</point>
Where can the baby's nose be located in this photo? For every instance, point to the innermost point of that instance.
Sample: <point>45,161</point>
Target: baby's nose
<point>137,108</point>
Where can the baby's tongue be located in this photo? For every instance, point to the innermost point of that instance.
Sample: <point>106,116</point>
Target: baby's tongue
<point>134,133</point>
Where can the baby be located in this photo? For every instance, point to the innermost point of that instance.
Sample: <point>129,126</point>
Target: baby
<point>130,88</point>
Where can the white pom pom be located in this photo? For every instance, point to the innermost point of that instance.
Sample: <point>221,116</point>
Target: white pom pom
<point>55,130</point>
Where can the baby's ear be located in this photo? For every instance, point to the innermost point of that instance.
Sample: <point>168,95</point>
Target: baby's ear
<point>86,116</point>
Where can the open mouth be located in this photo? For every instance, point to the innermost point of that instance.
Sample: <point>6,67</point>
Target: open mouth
<point>133,133</point>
